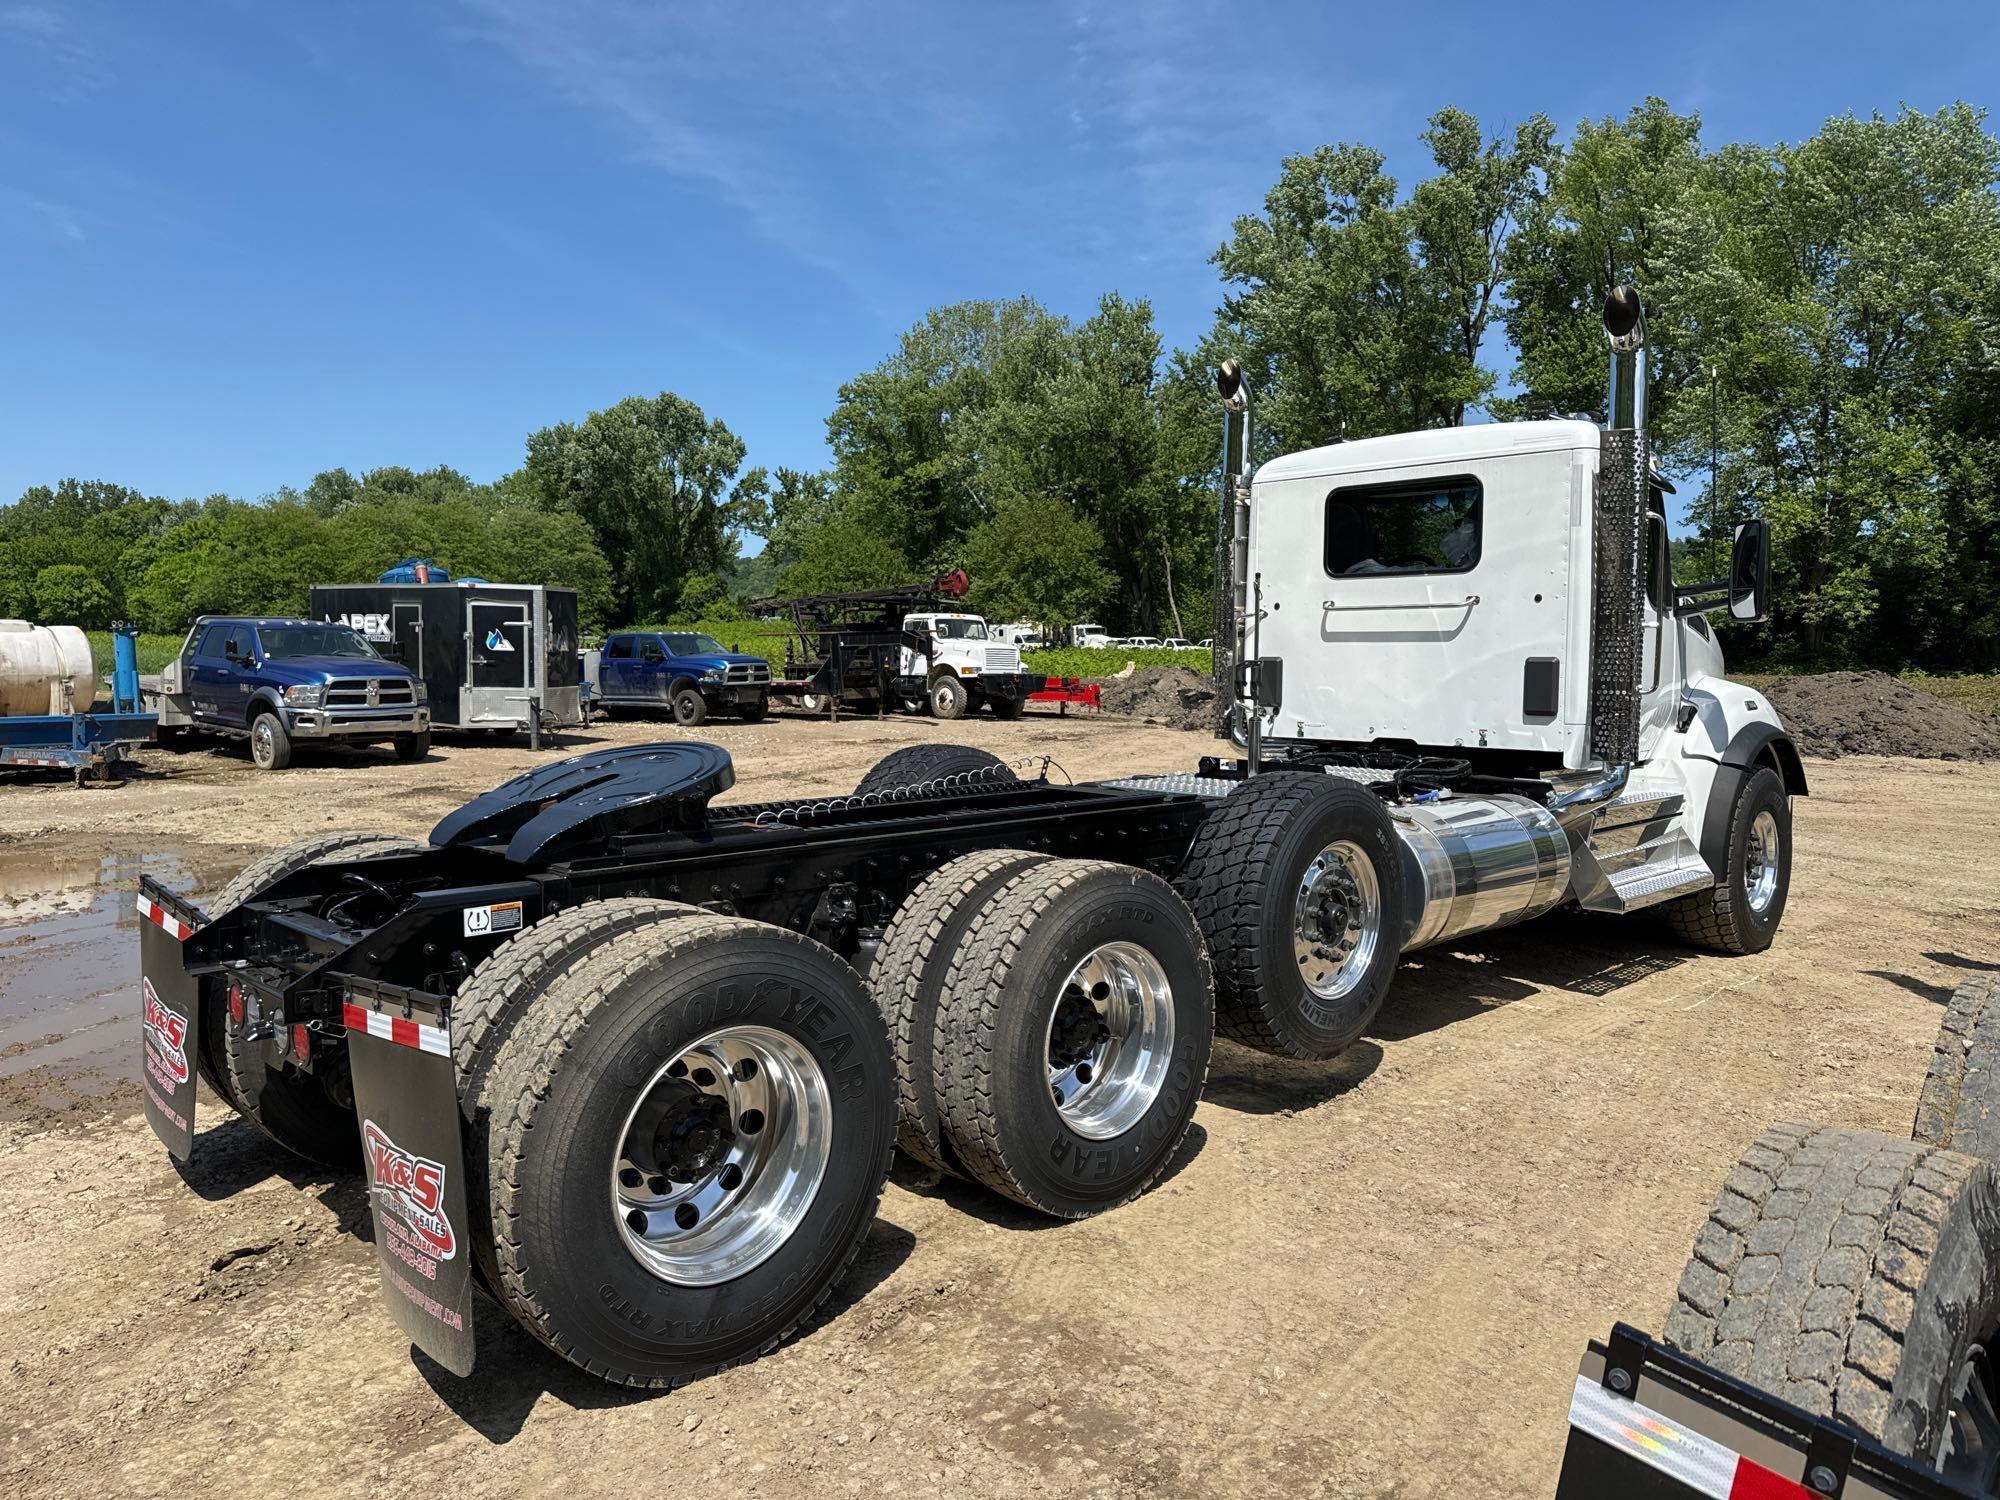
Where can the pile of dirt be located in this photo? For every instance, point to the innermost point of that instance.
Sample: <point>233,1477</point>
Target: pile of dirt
<point>1175,696</point>
<point>1871,713</point>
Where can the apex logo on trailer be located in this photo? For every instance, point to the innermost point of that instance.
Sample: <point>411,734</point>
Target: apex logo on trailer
<point>166,1033</point>
<point>374,627</point>
<point>410,1187</point>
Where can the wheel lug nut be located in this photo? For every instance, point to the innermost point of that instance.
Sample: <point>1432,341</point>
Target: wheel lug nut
<point>630,1177</point>
<point>657,1186</point>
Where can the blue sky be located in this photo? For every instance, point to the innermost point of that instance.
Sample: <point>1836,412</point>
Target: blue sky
<point>243,242</point>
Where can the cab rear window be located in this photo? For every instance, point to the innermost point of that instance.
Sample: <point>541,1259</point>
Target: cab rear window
<point>1419,526</point>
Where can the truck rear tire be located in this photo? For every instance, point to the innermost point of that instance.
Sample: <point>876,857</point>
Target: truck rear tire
<point>514,978</point>
<point>1960,1105</point>
<point>1857,1276</point>
<point>1073,1036</point>
<point>270,744</point>
<point>926,765</point>
<point>908,977</point>
<point>948,698</point>
<point>1740,914</point>
<point>298,1110</point>
<point>1297,881</point>
<point>690,708</point>
<point>689,1143</point>
<point>412,746</point>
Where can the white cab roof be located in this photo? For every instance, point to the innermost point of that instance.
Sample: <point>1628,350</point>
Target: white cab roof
<point>1427,449</point>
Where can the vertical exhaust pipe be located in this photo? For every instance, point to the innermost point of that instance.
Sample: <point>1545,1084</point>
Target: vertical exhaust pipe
<point>1238,719</point>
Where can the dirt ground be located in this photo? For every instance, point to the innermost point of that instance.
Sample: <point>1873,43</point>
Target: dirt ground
<point>1373,1277</point>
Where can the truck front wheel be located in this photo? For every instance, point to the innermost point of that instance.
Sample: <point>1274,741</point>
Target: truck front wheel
<point>753,711</point>
<point>1007,708</point>
<point>1740,914</point>
<point>948,698</point>
<point>690,708</point>
<point>270,745</point>
<point>413,746</point>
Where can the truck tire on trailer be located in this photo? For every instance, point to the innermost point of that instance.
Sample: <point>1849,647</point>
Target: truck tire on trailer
<point>1740,914</point>
<point>295,1109</point>
<point>1960,1104</point>
<point>690,708</point>
<point>1297,882</point>
<point>746,1059</point>
<point>1857,1276</point>
<point>512,979</point>
<point>948,697</point>
<point>412,746</point>
<point>1073,1036</point>
<point>908,978</point>
<point>270,744</point>
<point>926,765</point>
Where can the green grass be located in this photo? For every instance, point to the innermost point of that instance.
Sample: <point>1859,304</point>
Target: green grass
<point>1086,661</point>
<point>155,651</point>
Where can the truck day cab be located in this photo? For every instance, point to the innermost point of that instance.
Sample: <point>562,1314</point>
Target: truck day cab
<point>630,1020</point>
<point>277,681</point>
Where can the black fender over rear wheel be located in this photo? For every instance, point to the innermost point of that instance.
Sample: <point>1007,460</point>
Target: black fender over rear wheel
<point>1960,1104</point>
<point>311,1116</point>
<point>1073,1035</point>
<point>908,978</point>
<point>919,766</point>
<point>1297,883</point>
<point>1741,912</point>
<point>689,1139</point>
<point>1857,1276</point>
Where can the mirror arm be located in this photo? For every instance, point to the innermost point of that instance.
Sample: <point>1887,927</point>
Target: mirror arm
<point>1700,598</point>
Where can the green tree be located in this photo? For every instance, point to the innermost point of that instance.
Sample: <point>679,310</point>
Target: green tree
<point>1035,559</point>
<point>69,595</point>
<point>845,554</point>
<point>652,478</point>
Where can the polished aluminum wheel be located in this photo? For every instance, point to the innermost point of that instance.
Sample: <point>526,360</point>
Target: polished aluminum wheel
<point>263,741</point>
<point>1336,919</point>
<point>1111,1037</point>
<point>722,1155</point>
<point>1763,860</point>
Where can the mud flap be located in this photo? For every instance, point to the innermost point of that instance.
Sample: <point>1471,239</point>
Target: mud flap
<point>406,1097</point>
<point>169,1015</point>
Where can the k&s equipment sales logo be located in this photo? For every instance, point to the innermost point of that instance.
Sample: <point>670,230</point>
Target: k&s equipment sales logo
<point>166,1034</point>
<point>411,1188</point>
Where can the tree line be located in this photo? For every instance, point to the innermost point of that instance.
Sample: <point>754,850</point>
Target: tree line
<point>1825,321</point>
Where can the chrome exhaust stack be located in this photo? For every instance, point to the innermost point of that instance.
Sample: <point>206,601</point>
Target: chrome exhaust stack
<point>1618,532</point>
<point>1237,718</point>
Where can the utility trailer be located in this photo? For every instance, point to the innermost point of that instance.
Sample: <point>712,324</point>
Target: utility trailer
<point>1833,1333</point>
<point>87,742</point>
<point>494,656</point>
<point>669,1042</point>
<point>898,647</point>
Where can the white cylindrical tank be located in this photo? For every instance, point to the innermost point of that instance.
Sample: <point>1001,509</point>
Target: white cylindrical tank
<point>45,669</point>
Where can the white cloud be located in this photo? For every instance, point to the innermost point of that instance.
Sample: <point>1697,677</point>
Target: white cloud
<point>70,69</point>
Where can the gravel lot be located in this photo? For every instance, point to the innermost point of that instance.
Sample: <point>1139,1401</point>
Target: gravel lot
<point>1372,1277</point>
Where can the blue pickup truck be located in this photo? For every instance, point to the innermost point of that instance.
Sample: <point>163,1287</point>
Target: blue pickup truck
<point>274,682</point>
<point>684,671</point>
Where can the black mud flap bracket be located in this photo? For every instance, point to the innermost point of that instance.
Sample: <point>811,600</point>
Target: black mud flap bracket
<point>406,1098</point>
<point>169,1014</point>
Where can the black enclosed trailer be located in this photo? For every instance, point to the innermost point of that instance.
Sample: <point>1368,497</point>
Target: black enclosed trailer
<point>493,655</point>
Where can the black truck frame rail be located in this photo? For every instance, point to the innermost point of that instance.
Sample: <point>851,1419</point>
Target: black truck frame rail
<point>632,821</point>
<point>1648,1422</point>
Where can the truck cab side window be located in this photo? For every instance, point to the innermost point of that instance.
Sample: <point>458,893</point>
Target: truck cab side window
<point>1426,526</point>
<point>619,649</point>
<point>236,646</point>
<point>210,644</point>
<point>1659,562</point>
<point>651,650</point>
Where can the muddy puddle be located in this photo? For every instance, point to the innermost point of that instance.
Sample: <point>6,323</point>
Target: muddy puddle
<point>69,970</point>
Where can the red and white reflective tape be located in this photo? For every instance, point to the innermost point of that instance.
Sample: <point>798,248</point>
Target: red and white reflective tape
<point>165,920</point>
<point>1705,1466</point>
<point>425,1038</point>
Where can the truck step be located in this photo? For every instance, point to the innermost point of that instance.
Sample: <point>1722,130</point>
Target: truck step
<point>1641,875</point>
